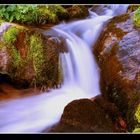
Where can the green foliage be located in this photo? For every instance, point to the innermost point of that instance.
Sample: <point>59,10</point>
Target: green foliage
<point>136,130</point>
<point>36,54</point>
<point>1,44</point>
<point>1,21</point>
<point>30,50</point>
<point>22,13</point>
<point>137,114</point>
<point>136,17</point>
<point>17,60</point>
<point>10,35</point>
<point>32,13</point>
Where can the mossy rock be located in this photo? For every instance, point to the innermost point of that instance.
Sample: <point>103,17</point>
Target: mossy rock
<point>136,130</point>
<point>31,58</point>
<point>117,53</point>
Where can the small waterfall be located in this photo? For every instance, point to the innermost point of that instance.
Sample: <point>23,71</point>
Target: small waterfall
<point>66,63</point>
<point>80,55</point>
<point>81,79</point>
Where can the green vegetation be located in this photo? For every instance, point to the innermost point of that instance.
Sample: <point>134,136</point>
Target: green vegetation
<point>1,44</point>
<point>136,130</point>
<point>36,55</point>
<point>31,57</point>
<point>136,17</point>
<point>32,13</point>
<point>10,35</point>
<point>17,60</point>
<point>137,114</point>
<point>1,21</point>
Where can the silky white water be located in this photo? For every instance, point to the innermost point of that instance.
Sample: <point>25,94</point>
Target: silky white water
<point>81,78</point>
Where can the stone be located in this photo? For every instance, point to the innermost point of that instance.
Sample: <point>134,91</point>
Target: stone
<point>117,52</point>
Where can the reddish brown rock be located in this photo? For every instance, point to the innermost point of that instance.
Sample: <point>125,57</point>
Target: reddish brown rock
<point>8,92</point>
<point>117,52</point>
<point>132,8</point>
<point>77,11</point>
<point>29,57</point>
<point>85,115</point>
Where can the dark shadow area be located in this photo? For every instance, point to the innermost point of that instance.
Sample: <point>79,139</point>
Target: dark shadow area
<point>4,78</point>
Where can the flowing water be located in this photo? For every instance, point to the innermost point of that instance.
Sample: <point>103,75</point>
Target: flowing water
<point>81,78</point>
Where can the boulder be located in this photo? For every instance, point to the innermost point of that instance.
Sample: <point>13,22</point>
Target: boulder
<point>89,115</point>
<point>117,52</point>
<point>77,11</point>
<point>132,8</point>
<point>29,57</point>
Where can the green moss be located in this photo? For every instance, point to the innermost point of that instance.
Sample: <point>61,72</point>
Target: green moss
<point>17,60</point>
<point>136,130</point>
<point>1,21</point>
<point>137,114</point>
<point>136,18</point>
<point>36,55</point>
<point>1,45</point>
<point>60,72</point>
<point>10,35</point>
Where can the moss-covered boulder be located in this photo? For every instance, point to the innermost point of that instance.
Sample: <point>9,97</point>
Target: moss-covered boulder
<point>117,52</point>
<point>29,57</point>
<point>77,11</point>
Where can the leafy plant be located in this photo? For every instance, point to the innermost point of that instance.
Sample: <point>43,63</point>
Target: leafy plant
<point>136,17</point>
<point>32,13</point>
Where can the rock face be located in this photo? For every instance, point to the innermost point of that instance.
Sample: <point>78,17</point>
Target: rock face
<point>117,52</point>
<point>87,115</point>
<point>132,8</point>
<point>29,57</point>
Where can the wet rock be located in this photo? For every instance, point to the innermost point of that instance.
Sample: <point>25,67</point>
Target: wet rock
<point>29,57</point>
<point>132,8</point>
<point>77,11</point>
<point>117,52</point>
<point>87,115</point>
